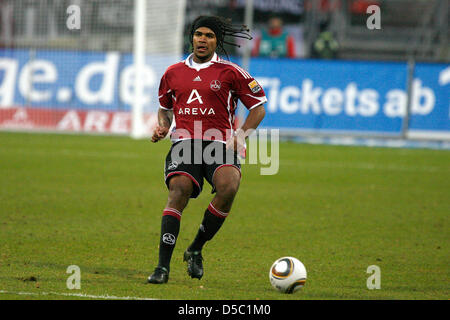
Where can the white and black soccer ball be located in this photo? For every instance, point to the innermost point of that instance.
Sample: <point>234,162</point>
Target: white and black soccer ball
<point>287,275</point>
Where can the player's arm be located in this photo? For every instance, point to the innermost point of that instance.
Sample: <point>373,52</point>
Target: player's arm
<point>252,95</point>
<point>254,118</point>
<point>164,121</point>
<point>165,113</point>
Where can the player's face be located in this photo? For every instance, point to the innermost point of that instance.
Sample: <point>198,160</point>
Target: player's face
<point>205,44</point>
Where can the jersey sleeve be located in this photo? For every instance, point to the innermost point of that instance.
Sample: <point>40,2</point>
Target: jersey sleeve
<point>165,93</point>
<point>248,90</point>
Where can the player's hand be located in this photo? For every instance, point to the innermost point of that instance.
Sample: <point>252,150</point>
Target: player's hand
<point>237,142</point>
<point>159,133</point>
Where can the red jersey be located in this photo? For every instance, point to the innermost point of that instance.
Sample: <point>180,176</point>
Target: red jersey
<point>204,97</point>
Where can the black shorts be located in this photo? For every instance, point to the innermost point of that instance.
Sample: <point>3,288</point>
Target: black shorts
<point>198,159</point>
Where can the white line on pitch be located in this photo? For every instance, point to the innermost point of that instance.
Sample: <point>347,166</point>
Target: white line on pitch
<point>80,295</point>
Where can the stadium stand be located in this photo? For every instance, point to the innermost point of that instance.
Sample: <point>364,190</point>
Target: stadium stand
<point>409,27</point>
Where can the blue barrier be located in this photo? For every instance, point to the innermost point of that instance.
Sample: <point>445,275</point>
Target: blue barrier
<point>432,83</point>
<point>348,96</point>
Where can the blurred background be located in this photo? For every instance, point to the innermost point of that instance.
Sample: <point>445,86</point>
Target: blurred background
<point>330,68</point>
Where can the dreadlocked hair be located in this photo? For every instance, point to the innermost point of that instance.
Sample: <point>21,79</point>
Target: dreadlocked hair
<point>222,27</point>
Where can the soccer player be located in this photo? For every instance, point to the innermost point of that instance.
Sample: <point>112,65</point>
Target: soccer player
<point>202,93</point>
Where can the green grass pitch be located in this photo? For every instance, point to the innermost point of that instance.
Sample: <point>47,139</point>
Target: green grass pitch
<point>96,202</point>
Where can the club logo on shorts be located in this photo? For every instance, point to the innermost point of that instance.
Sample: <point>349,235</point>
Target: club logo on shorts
<point>215,85</point>
<point>173,165</point>
<point>168,238</point>
<point>254,86</point>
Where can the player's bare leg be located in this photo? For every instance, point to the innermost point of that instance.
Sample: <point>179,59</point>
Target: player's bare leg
<point>226,181</point>
<point>180,190</point>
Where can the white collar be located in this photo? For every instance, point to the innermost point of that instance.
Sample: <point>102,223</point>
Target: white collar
<point>197,66</point>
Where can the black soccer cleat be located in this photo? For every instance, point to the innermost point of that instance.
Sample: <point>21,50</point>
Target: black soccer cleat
<point>194,263</point>
<point>159,276</point>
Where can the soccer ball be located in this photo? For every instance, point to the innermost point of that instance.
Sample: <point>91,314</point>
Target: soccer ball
<point>287,275</point>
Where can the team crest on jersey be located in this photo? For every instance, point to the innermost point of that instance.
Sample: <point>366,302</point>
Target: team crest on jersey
<point>254,86</point>
<point>215,85</point>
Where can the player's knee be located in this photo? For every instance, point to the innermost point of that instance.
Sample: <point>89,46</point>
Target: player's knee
<point>226,182</point>
<point>227,189</point>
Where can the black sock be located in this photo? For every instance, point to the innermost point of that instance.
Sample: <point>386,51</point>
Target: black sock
<point>209,227</point>
<point>170,226</point>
